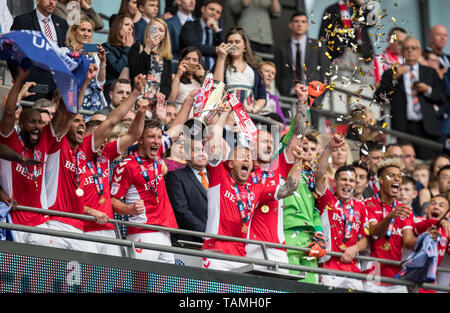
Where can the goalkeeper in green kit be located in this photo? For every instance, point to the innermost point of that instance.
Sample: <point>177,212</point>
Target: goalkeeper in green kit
<point>302,224</point>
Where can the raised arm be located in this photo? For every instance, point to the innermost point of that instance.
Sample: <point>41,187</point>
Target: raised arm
<point>321,173</point>
<point>9,116</point>
<point>136,128</point>
<point>62,119</point>
<point>177,125</point>
<point>103,130</point>
<point>216,147</point>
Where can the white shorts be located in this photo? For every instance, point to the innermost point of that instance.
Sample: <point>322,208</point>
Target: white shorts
<point>66,243</point>
<point>342,282</point>
<point>159,238</point>
<point>103,248</point>
<point>31,238</point>
<point>273,254</point>
<point>374,287</point>
<point>221,265</point>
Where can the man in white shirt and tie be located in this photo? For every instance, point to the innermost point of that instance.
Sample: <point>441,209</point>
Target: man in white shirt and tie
<point>415,94</point>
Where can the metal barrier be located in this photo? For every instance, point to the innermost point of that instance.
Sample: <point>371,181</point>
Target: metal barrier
<point>132,245</point>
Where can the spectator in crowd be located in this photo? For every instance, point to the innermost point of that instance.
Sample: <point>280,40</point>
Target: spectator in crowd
<point>171,114</point>
<point>176,155</point>
<point>407,192</point>
<point>175,23</point>
<point>119,92</point>
<point>359,129</point>
<point>361,179</point>
<point>77,36</point>
<point>343,233</point>
<point>438,39</point>
<point>120,40</point>
<point>25,183</point>
<point>96,184</point>
<point>53,27</point>
<point>189,75</point>
<point>372,153</point>
<point>255,17</point>
<point>436,164</point>
<point>71,11</point>
<point>390,223</point>
<point>204,33</point>
<point>394,151</point>
<point>143,171</point>
<point>431,59</point>
<point>149,10</point>
<point>307,64</point>
<point>421,174</point>
<point>46,108</point>
<point>421,90</point>
<point>238,69</point>
<point>272,108</point>
<point>339,156</point>
<point>153,59</point>
<point>392,56</point>
<point>127,8</point>
<point>188,191</point>
<point>409,157</point>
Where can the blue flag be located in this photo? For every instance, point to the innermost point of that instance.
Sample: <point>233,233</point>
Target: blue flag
<point>31,48</point>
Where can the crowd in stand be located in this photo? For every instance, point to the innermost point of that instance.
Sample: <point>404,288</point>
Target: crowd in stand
<point>126,156</point>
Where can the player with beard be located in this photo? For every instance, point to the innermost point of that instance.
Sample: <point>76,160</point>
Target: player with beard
<point>67,171</point>
<point>232,199</point>
<point>344,219</point>
<point>25,184</point>
<point>267,220</point>
<point>391,224</point>
<point>139,180</point>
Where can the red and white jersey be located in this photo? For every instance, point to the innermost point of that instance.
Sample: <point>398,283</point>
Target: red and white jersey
<point>422,223</point>
<point>378,248</point>
<point>269,226</point>
<point>331,211</point>
<point>17,182</point>
<point>128,183</point>
<point>61,180</point>
<point>92,198</point>
<point>223,214</point>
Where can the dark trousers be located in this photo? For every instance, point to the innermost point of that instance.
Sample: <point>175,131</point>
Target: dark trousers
<point>422,152</point>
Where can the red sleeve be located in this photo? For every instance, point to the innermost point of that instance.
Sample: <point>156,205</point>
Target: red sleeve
<point>281,166</point>
<point>111,150</point>
<point>324,201</point>
<point>122,179</point>
<point>422,227</point>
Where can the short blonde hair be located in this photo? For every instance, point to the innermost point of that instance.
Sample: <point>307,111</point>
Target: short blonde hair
<point>393,162</point>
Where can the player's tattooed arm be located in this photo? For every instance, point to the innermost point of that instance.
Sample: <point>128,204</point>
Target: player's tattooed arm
<point>288,188</point>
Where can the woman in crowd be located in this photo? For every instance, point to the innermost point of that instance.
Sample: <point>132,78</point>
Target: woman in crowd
<point>77,36</point>
<point>339,157</point>
<point>153,59</point>
<point>120,40</point>
<point>426,194</point>
<point>63,9</point>
<point>238,69</point>
<point>189,75</point>
<point>176,158</point>
<point>129,8</point>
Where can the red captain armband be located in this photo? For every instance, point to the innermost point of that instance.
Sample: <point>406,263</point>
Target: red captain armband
<point>422,227</point>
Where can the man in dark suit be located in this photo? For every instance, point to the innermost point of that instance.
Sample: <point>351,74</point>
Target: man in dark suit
<point>304,68</point>
<point>204,33</point>
<point>187,190</point>
<point>53,27</point>
<point>415,94</point>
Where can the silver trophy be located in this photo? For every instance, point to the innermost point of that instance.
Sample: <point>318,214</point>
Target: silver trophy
<point>196,128</point>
